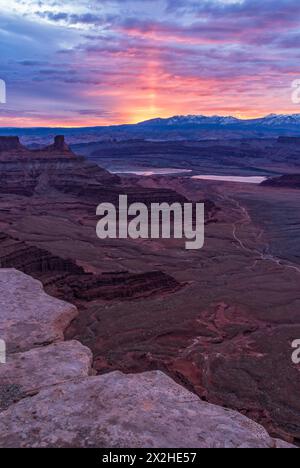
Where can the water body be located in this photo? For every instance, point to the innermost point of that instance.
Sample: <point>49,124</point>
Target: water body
<point>240,179</point>
<point>152,172</point>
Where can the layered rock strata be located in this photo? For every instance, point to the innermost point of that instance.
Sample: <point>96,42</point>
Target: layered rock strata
<point>64,279</point>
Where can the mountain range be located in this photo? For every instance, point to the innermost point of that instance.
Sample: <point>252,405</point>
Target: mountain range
<point>180,127</point>
<point>272,120</point>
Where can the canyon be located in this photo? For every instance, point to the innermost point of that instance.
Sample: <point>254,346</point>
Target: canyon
<point>242,157</point>
<point>219,321</point>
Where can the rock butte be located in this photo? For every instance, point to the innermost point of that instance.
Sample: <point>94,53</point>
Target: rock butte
<point>68,407</point>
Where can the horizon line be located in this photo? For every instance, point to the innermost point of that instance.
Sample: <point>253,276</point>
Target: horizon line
<point>149,120</point>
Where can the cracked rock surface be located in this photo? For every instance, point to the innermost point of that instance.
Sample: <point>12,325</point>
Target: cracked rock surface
<point>117,410</point>
<point>28,316</point>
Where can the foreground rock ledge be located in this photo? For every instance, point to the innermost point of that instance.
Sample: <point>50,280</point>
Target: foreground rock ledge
<point>116,410</point>
<point>49,399</point>
<point>28,316</point>
<point>25,374</point>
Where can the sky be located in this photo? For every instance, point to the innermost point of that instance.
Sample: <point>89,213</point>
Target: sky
<point>100,62</point>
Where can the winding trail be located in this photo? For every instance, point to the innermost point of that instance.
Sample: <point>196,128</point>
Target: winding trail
<point>245,220</point>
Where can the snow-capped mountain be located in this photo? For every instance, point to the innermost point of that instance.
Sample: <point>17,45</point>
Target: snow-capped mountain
<point>192,119</point>
<point>217,120</point>
<point>280,119</point>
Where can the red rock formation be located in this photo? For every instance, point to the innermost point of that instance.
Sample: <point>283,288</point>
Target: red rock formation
<point>64,279</point>
<point>10,144</point>
<point>24,172</point>
<point>59,145</point>
<point>12,149</point>
<point>56,168</point>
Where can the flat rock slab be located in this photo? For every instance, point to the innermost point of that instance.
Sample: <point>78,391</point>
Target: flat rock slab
<point>28,316</point>
<point>117,410</point>
<point>27,373</point>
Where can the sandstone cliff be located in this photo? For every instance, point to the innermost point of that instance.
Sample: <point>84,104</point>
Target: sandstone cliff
<point>26,172</point>
<point>56,168</point>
